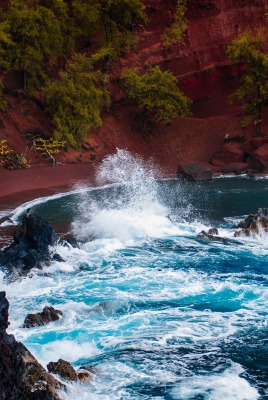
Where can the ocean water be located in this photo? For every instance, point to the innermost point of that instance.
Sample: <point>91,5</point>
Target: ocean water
<point>161,313</point>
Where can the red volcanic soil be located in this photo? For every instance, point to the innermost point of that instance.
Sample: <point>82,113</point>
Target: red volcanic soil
<point>46,178</point>
<point>205,76</point>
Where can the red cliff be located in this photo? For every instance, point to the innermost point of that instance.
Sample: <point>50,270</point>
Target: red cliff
<point>205,75</point>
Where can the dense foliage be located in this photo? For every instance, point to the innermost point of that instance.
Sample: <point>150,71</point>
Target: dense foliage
<point>76,100</point>
<point>33,32</point>
<point>249,51</point>
<point>36,35</point>
<point>157,91</point>
<point>39,38</point>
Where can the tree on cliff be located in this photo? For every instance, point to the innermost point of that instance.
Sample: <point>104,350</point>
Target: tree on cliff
<point>86,15</point>
<point>249,51</point>
<point>36,34</point>
<point>158,92</point>
<point>76,100</point>
<point>5,41</point>
<point>118,17</point>
<point>180,24</point>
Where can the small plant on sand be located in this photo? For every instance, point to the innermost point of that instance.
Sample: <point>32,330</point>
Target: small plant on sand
<point>11,160</point>
<point>4,151</point>
<point>49,147</point>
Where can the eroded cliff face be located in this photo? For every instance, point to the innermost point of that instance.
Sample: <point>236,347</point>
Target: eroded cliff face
<point>21,376</point>
<point>206,76</point>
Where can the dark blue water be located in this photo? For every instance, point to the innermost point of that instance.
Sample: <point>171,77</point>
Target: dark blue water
<point>161,313</point>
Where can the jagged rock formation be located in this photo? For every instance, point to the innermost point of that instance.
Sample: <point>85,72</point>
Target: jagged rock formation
<point>62,368</point>
<point>66,371</point>
<point>243,155</point>
<point>253,224</point>
<point>48,314</point>
<point>30,247</point>
<point>212,234</point>
<point>21,376</point>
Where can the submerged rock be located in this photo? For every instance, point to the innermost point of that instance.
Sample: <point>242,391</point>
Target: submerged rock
<point>63,369</point>
<point>253,224</point>
<point>48,314</point>
<point>84,376</point>
<point>211,234</point>
<point>21,376</point>
<point>85,373</point>
<point>30,247</point>
<point>89,368</point>
<point>213,231</point>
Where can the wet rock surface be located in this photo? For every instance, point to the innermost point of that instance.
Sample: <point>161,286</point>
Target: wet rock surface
<point>30,247</point>
<point>211,234</point>
<point>21,376</point>
<point>253,224</point>
<point>63,369</point>
<point>48,315</point>
<point>85,373</point>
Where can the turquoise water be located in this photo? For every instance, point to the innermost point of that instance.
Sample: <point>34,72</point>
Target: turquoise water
<point>161,313</point>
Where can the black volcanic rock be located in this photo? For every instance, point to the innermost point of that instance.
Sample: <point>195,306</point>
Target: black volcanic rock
<point>4,306</point>
<point>30,247</point>
<point>48,314</point>
<point>21,376</point>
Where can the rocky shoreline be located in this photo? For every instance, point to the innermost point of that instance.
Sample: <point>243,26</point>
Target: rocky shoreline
<point>30,247</point>
<point>21,376</point>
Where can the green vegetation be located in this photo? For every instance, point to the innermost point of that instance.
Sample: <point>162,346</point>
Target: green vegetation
<point>5,43</point>
<point>86,15</point>
<point>249,51</point>
<point>11,160</point>
<point>118,18</point>
<point>158,92</point>
<point>180,25</point>
<point>4,151</point>
<point>39,39</point>
<point>36,34</point>
<point>3,103</point>
<point>76,100</point>
<point>49,147</point>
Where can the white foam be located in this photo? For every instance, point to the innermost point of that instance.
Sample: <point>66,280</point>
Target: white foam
<point>226,385</point>
<point>67,349</point>
<point>138,213</point>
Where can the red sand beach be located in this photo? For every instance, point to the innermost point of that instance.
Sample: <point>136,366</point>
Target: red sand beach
<point>23,185</point>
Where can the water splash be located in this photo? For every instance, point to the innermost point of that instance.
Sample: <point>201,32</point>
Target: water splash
<point>131,208</point>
